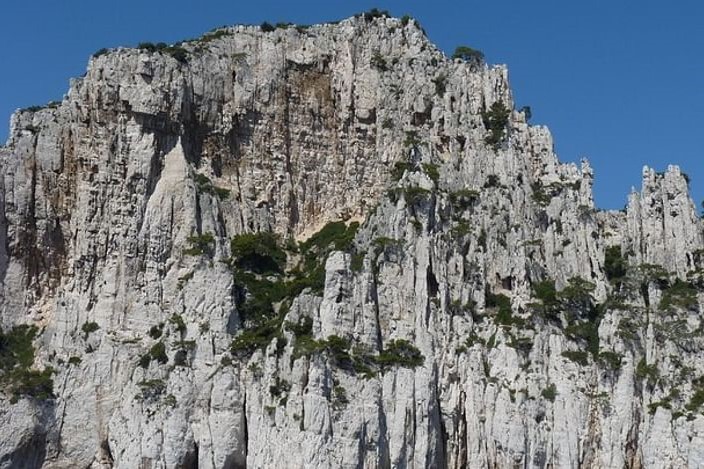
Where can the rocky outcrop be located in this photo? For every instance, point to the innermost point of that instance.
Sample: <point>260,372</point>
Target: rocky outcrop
<point>474,309</point>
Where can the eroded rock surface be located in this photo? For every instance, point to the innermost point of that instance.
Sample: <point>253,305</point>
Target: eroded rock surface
<point>484,314</point>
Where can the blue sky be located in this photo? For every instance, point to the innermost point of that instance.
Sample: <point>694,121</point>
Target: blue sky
<point>622,85</point>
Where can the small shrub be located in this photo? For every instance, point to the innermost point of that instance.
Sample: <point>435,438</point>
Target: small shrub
<point>200,244</point>
<point>647,372</point>
<point>88,328</point>
<point>374,13</point>
<point>614,264</point>
<point>379,62</point>
<point>280,386</point>
<point>610,359</point>
<point>205,185</point>
<point>158,353</point>
<point>400,167</point>
<point>74,360</point>
<point>432,171</point>
<point>495,121</point>
<point>258,252</point>
<point>440,83</point>
<point>680,295</point>
<point>267,27</point>
<point>156,331</point>
<point>579,357</point>
<point>400,352</point>
<point>179,325</point>
<point>412,140</point>
<point>463,199</point>
<point>405,19</point>
<point>468,54</point>
<point>549,393</point>
<point>100,52</point>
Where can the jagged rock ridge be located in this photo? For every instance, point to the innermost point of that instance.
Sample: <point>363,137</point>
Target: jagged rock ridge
<point>476,310</point>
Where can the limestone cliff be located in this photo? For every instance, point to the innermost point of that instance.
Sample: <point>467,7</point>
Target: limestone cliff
<point>333,246</point>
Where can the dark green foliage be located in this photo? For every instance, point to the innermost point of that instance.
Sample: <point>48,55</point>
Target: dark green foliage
<point>587,332</point>
<point>179,325</point>
<point>88,328</point>
<point>540,195</point>
<point>178,53</point>
<point>280,386</point>
<point>156,331</point>
<point>213,35</point>
<point>526,112</point>
<point>614,264</point>
<point>32,109</point>
<point>696,400</point>
<point>647,372</point>
<point>334,235</point>
<point>158,352</point>
<point>680,294</point>
<point>267,27</point>
<point>468,54</point>
<point>440,83</point>
<point>100,52</point>
<point>400,352</point>
<point>481,239</point>
<point>549,393</point>
<point>200,244</point>
<point>610,359</point>
<point>369,15</point>
<point>151,389</point>
<point>205,185</point>
<point>463,199</point>
<point>432,171</point>
<point>495,121</point>
<point>282,25</point>
<point>16,358</point>
<point>415,195</point>
<point>412,140</point>
<point>357,262</point>
<point>504,314</point>
<point>257,337</point>
<point>387,123</point>
<point>74,360</point>
<point>258,252</point>
<point>579,357</point>
<point>492,180</point>
<point>405,19</point>
<point>147,46</point>
<point>379,62</point>
<point>545,292</point>
<point>399,168</point>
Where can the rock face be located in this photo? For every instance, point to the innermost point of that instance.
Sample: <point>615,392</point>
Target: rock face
<point>484,314</point>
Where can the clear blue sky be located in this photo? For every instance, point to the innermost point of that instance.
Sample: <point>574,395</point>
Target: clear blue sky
<point>621,84</point>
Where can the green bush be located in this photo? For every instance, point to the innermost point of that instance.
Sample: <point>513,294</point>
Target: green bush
<point>579,357</point>
<point>379,62</point>
<point>468,54</point>
<point>432,171</point>
<point>400,352</point>
<point>647,372</point>
<point>405,19</point>
<point>610,359</point>
<point>495,121</point>
<point>400,167</point>
<point>369,15</point>
<point>258,252</point>
<point>463,199</point>
<point>100,52</point>
<point>614,264</point>
<point>549,393</point>
<point>179,325</point>
<point>16,359</point>
<point>156,331</point>
<point>256,338</point>
<point>205,185</point>
<point>267,27</point>
<point>200,244</point>
<point>440,83</point>
<point>680,295</point>
<point>158,352</point>
<point>88,328</point>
